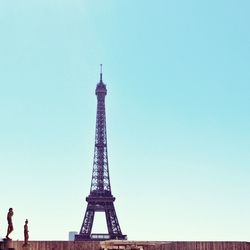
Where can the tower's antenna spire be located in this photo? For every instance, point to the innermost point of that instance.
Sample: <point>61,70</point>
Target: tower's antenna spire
<point>100,72</point>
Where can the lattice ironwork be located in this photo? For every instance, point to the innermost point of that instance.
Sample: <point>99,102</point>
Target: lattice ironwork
<point>100,198</point>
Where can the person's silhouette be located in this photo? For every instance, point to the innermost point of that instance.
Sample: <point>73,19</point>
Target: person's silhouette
<point>26,233</point>
<point>10,224</point>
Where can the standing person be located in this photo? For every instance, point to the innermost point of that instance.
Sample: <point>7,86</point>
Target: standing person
<point>26,233</point>
<point>10,224</point>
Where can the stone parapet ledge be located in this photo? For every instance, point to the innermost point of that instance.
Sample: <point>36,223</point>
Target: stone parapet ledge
<point>125,245</point>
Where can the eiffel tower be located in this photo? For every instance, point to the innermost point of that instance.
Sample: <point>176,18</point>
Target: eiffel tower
<point>100,198</point>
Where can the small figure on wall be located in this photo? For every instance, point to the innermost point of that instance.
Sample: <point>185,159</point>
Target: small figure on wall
<point>10,224</point>
<point>26,233</point>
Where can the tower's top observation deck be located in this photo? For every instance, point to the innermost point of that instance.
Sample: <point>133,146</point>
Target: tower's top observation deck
<point>100,87</point>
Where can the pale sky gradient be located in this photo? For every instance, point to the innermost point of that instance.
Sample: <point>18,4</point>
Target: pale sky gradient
<point>178,115</point>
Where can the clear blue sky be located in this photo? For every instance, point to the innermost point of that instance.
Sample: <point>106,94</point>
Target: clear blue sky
<point>178,115</point>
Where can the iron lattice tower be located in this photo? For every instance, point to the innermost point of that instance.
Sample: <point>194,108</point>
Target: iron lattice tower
<point>100,198</point>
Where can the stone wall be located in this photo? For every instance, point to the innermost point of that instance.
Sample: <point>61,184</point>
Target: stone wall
<point>146,245</point>
<point>196,245</point>
<point>51,245</point>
